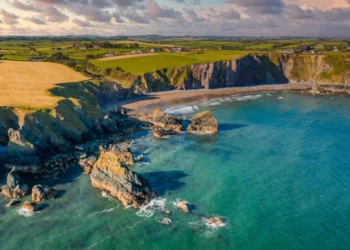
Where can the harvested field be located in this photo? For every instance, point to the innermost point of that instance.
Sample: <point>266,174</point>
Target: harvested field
<point>126,56</point>
<point>26,84</point>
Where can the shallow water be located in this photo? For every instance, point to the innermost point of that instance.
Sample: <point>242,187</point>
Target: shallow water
<point>278,173</point>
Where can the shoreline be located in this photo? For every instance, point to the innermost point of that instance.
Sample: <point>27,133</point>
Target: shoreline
<point>175,97</point>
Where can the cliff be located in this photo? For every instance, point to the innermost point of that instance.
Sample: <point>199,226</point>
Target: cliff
<point>248,70</point>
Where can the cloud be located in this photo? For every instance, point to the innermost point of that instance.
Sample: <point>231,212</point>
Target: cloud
<point>295,12</point>
<point>35,20</point>
<point>9,18</point>
<point>191,14</point>
<point>135,17</point>
<point>54,15</point>
<point>262,7</point>
<point>81,23</point>
<point>23,6</point>
<point>154,11</point>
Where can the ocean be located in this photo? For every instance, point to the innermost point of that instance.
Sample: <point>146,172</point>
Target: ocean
<point>278,173</point>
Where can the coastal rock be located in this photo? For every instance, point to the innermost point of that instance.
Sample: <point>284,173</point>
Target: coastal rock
<point>167,122</point>
<point>28,208</point>
<point>166,221</point>
<point>184,206</point>
<point>87,164</point>
<point>158,132</point>
<point>203,123</point>
<point>215,221</point>
<point>40,193</point>
<point>130,188</point>
<point>122,152</point>
<point>12,202</point>
<point>168,212</point>
<point>14,187</point>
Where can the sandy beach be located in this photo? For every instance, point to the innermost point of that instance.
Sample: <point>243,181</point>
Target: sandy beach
<point>175,97</point>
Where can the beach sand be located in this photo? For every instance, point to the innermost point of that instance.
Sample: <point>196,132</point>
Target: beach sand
<point>170,98</point>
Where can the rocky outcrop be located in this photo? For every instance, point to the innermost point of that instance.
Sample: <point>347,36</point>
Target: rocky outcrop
<point>28,208</point>
<point>167,122</point>
<point>184,206</point>
<point>130,188</point>
<point>14,188</point>
<point>203,123</point>
<point>87,164</point>
<point>158,132</point>
<point>39,193</point>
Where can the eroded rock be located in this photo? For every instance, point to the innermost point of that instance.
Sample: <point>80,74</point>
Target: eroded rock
<point>14,188</point>
<point>203,123</point>
<point>87,164</point>
<point>39,193</point>
<point>130,188</point>
<point>167,122</point>
<point>158,132</point>
<point>28,208</point>
<point>184,206</point>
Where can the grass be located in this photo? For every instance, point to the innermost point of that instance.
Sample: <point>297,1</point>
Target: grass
<point>16,57</point>
<point>141,65</point>
<point>266,46</point>
<point>27,84</point>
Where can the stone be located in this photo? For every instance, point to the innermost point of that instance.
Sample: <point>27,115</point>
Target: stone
<point>14,188</point>
<point>28,207</point>
<point>139,158</point>
<point>166,221</point>
<point>158,132</point>
<point>215,220</point>
<point>87,164</point>
<point>12,202</point>
<point>127,186</point>
<point>39,193</point>
<point>184,206</point>
<point>167,122</point>
<point>203,123</point>
<point>168,212</point>
<point>122,152</point>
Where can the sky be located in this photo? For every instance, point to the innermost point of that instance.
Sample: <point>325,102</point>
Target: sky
<point>311,18</point>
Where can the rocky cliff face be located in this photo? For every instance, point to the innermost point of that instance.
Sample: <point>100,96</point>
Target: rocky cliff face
<point>252,70</point>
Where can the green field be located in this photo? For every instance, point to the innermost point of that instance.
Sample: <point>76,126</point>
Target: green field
<point>141,65</point>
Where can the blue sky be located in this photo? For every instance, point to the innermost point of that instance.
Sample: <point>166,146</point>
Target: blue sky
<point>326,18</point>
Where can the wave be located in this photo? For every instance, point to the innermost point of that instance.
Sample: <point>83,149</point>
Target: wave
<point>26,213</point>
<point>104,211</point>
<point>157,204</point>
<point>248,98</point>
<point>179,110</point>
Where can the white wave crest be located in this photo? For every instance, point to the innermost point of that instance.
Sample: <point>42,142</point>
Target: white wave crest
<point>248,98</point>
<point>157,204</point>
<point>25,212</point>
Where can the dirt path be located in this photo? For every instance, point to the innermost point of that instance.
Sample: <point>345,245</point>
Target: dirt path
<point>126,56</point>
<point>166,99</point>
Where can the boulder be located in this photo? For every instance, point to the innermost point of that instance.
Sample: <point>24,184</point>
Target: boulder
<point>158,132</point>
<point>40,193</point>
<point>215,221</point>
<point>122,152</point>
<point>14,187</point>
<point>184,206</point>
<point>127,186</point>
<point>168,212</point>
<point>203,123</point>
<point>167,122</point>
<point>166,221</point>
<point>28,207</point>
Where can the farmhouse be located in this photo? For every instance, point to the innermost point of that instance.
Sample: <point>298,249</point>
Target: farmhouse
<point>154,50</point>
<point>109,55</point>
<point>82,47</point>
<point>96,46</point>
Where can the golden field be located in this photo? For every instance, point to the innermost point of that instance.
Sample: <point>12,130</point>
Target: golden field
<point>26,84</point>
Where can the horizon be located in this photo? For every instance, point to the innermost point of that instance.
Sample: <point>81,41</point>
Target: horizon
<point>176,18</point>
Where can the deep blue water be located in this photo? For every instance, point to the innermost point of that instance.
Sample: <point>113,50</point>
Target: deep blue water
<point>278,172</point>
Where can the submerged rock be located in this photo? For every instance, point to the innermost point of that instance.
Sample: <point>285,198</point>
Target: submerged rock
<point>28,208</point>
<point>14,187</point>
<point>203,123</point>
<point>169,123</point>
<point>215,221</point>
<point>184,206</point>
<point>166,221</point>
<point>12,202</point>
<point>40,193</point>
<point>130,188</point>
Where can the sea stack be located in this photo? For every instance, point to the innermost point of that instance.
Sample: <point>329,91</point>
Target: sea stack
<point>165,124</point>
<point>14,188</point>
<point>203,123</point>
<point>131,189</point>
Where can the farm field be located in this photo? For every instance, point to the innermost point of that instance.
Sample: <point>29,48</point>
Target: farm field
<point>26,84</point>
<point>141,65</point>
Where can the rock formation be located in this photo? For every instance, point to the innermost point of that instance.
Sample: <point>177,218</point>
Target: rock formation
<point>184,206</point>
<point>40,193</point>
<point>28,208</point>
<point>214,221</point>
<point>14,188</point>
<point>130,188</point>
<point>165,124</point>
<point>87,164</point>
<point>203,123</point>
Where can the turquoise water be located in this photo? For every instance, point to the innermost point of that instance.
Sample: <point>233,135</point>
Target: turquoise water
<point>278,172</point>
